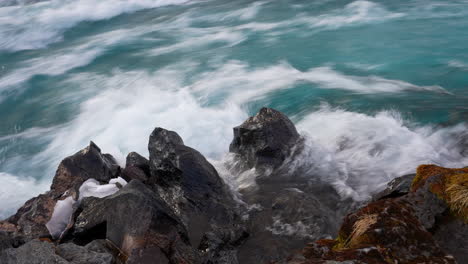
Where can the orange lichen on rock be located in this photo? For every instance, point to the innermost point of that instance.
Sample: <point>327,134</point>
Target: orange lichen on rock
<point>450,185</point>
<point>423,172</point>
<point>385,231</point>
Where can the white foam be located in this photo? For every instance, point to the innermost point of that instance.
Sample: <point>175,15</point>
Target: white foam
<point>66,59</point>
<point>36,26</point>
<point>245,83</point>
<point>357,12</point>
<point>129,105</point>
<point>359,153</point>
<point>15,191</point>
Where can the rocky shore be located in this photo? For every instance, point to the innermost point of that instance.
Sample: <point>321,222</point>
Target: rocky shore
<point>175,208</point>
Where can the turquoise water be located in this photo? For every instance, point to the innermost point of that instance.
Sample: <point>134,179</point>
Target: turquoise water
<point>377,87</point>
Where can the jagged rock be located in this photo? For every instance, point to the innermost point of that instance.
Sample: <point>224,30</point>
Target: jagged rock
<point>137,167</point>
<point>136,220</point>
<point>81,255</point>
<point>287,207</point>
<point>31,219</point>
<point>33,252</point>
<point>83,165</point>
<point>265,140</point>
<point>396,187</point>
<point>136,160</point>
<point>189,184</point>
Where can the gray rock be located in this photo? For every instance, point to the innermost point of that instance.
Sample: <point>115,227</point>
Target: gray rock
<point>452,236</point>
<point>264,140</point>
<point>427,206</point>
<point>81,255</point>
<point>33,252</point>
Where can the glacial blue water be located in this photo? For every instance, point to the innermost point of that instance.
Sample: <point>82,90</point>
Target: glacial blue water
<point>376,87</point>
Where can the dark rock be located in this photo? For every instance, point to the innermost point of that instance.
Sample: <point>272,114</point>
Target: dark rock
<point>452,235</point>
<point>134,173</point>
<point>192,187</point>
<point>396,187</point>
<point>137,221</point>
<point>136,160</point>
<point>288,206</point>
<point>8,240</point>
<point>83,165</point>
<point>265,139</point>
<point>31,219</point>
<point>33,252</point>
<point>281,221</point>
<point>81,255</point>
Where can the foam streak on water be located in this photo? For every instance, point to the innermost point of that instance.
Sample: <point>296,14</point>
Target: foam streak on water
<point>373,89</point>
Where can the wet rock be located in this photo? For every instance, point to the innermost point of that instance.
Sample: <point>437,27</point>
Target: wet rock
<point>81,255</point>
<point>189,184</point>
<point>136,220</point>
<point>396,187</point>
<point>31,219</point>
<point>282,221</point>
<point>33,252</point>
<point>265,140</point>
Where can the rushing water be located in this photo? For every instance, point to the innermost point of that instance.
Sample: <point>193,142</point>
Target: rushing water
<point>377,87</point>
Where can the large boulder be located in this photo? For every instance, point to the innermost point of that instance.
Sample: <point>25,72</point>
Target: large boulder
<point>286,207</point>
<point>30,220</point>
<point>265,140</point>
<point>138,222</point>
<point>426,225</point>
<point>190,185</point>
